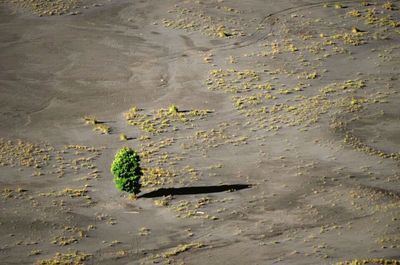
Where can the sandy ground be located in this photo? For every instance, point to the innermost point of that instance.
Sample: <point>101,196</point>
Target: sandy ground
<point>294,103</point>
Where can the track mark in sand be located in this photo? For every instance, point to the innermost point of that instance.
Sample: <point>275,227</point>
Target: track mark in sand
<point>189,43</point>
<point>45,106</point>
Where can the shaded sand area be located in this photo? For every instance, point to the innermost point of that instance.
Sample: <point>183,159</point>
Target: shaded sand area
<point>283,148</point>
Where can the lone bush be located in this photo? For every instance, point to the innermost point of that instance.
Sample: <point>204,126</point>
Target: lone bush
<point>127,171</point>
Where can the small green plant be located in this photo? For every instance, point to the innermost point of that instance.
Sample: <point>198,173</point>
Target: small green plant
<point>173,109</point>
<point>102,128</point>
<point>339,6</point>
<point>388,5</point>
<point>127,171</point>
<point>90,120</point>
<point>123,137</point>
<point>354,13</point>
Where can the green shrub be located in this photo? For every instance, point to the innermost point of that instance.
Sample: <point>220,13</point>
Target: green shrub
<point>126,170</point>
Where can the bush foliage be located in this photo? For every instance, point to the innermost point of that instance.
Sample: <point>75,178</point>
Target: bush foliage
<point>127,171</point>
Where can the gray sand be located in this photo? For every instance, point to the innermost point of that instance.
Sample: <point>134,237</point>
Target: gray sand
<point>302,106</point>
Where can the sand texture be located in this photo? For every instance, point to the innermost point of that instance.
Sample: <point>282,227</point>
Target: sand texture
<point>268,131</point>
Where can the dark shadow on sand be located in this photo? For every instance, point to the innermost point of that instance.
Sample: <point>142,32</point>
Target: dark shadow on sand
<point>187,111</point>
<point>194,190</point>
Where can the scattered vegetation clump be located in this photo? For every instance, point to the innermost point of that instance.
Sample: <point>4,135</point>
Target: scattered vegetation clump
<point>144,231</point>
<point>24,154</point>
<point>308,75</point>
<point>292,48</point>
<point>346,85</point>
<point>132,113</point>
<point>157,176</point>
<point>166,256</point>
<point>73,258</point>
<point>90,120</point>
<point>74,192</point>
<point>64,241</point>
<point>388,5</point>
<point>98,126</point>
<point>163,202</point>
<point>353,84</point>
<point>354,38</point>
<point>329,89</point>
<point>163,120</point>
<point>234,81</point>
<point>35,252</point>
<point>208,58</point>
<point>123,137</point>
<point>173,109</point>
<point>70,235</point>
<point>242,102</point>
<point>102,128</point>
<point>181,248</point>
<point>149,149</point>
<point>370,261</point>
<point>161,167</point>
<point>13,193</point>
<point>277,105</point>
<point>193,209</point>
<point>81,148</point>
<point>222,32</point>
<point>265,87</point>
<point>127,171</point>
<point>220,25</point>
<point>354,13</point>
<point>44,159</point>
<point>372,18</point>
<point>339,6</point>
<point>45,7</point>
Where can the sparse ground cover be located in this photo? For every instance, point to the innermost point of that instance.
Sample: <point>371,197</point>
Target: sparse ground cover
<point>296,103</point>
<point>45,7</point>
